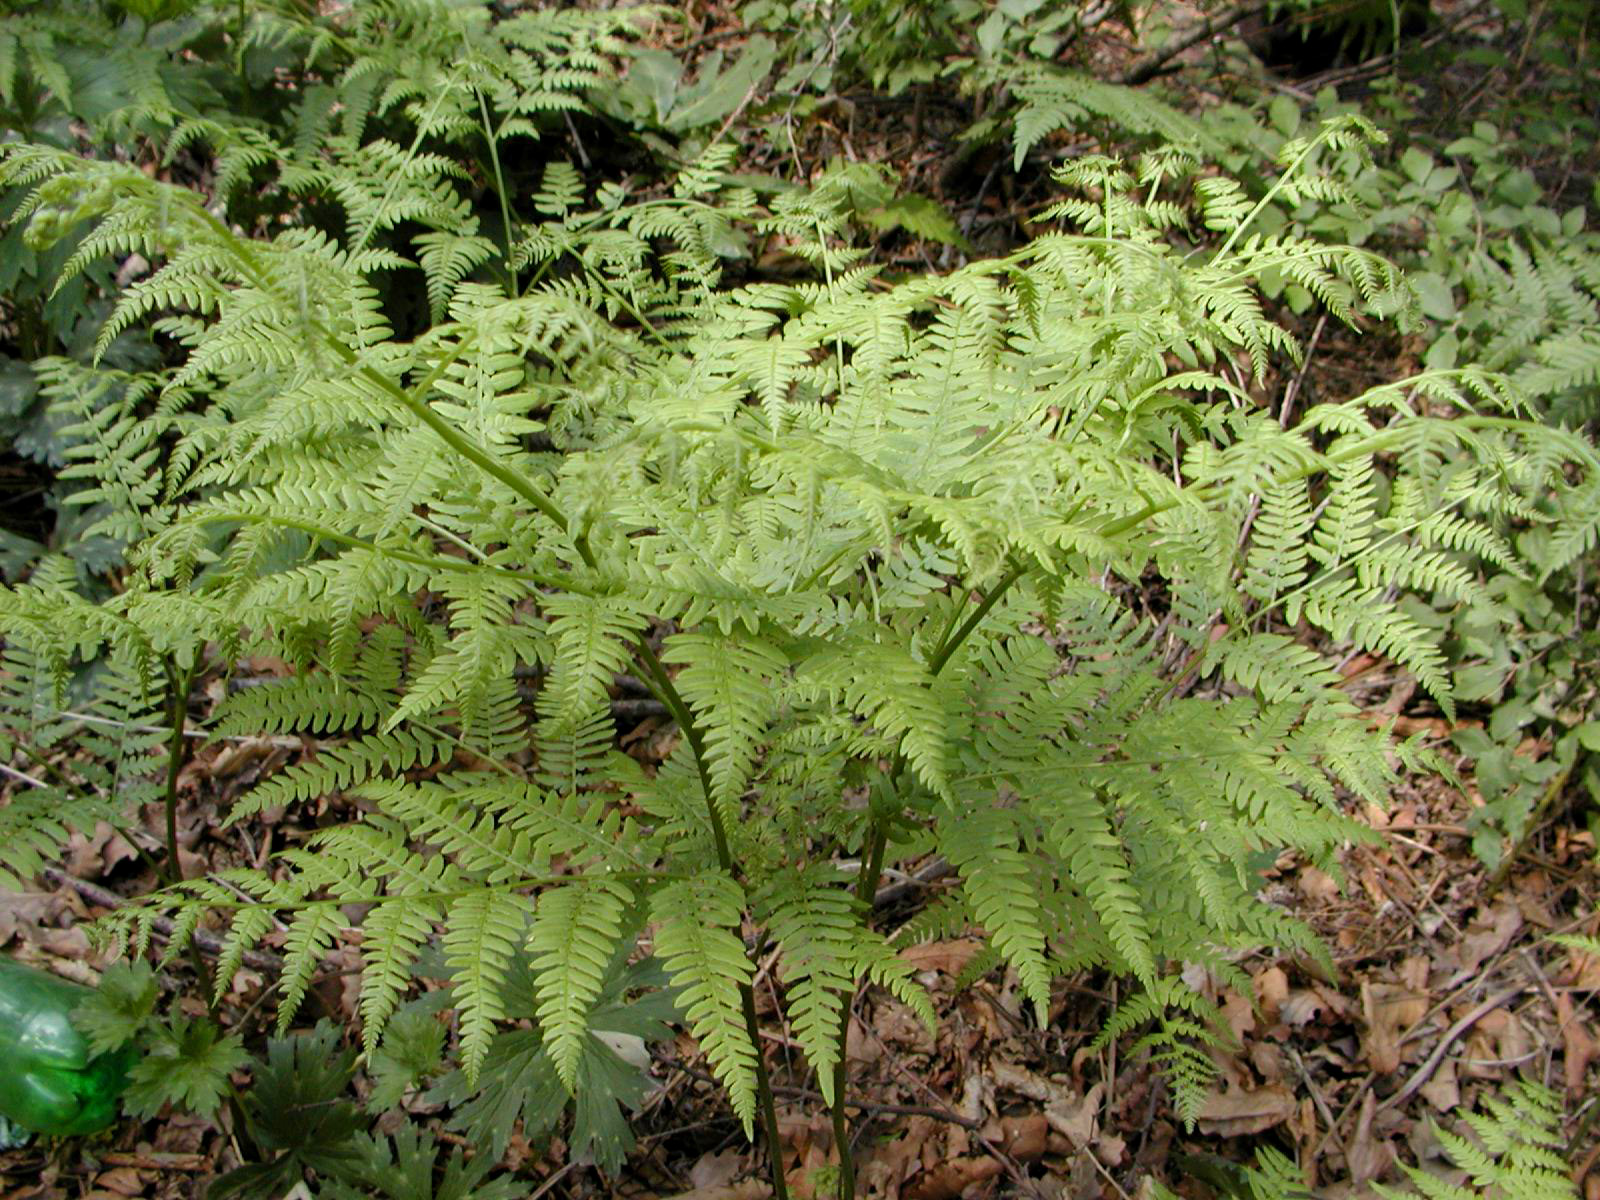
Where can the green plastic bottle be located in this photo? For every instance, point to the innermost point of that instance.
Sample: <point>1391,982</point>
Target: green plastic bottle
<point>49,1082</point>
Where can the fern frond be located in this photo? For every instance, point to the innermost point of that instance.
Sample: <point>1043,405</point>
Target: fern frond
<point>573,938</point>
<point>813,920</point>
<point>481,935</point>
<point>341,767</point>
<point>726,681</point>
<point>707,962</point>
<point>1000,883</point>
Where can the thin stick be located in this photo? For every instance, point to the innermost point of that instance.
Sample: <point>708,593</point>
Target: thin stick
<point>177,751</point>
<point>161,927</point>
<point>21,777</point>
<point>1150,65</point>
<point>1431,1064</point>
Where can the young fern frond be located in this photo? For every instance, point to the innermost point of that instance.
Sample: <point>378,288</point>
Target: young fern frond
<point>814,922</point>
<point>1515,1151</point>
<point>482,932</point>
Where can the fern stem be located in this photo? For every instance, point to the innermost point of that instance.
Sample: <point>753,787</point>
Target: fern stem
<point>414,402</point>
<point>238,50</point>
<point>438,562</point>
<point>178,685</point>
<point>872,866</point>
<point>669,695</point>
<point>866,888</point>
<point>1272,193</point>
<point>449,435</point>
<point>764,1095</point>
<point>177,752</point>
<point>949,647</point>
<point>633,311</point>
<point>500,190</point>
<point>218,902</point>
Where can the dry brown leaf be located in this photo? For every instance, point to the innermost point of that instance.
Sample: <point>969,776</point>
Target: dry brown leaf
<point>1389,1011</point>
<point>1443,1091</point>
<point>1497,1042</point>
<point>864,1049</point>
<point>977,1102</point>
<point>1487,936</point>
<point>1272,989</point>
<point>750,1189</point>
<point>949,1179</point>
<point>246,753</point>
<point>1078,1121</point>
<point>1240,1113</point>
<point>1239,1014</point>
<point>1110,1149</point>
<point>1317,885</point>
<point>947,956</point>
<point>898,1026</point>
<point>1583,970</point>
<point>26,911</point>
<point>1414,972</point>
<point>90,857</point>
<point>1579,1044</point>
<point>1024,1137</point>
<point>1333,1000</point>
<point>124,1181</point>
<point>1014,1077</point>
<point>1267,1059</point>
<point>714,1170</point>
<point>892,1164</point>
<point>1366,1155</point>
<point>1301,1007</point>
<point>71,943</point>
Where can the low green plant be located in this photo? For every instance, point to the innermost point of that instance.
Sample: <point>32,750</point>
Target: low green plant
<point>1513,1148</point>
<point>1506,280</point>
<point>298,1112</point>
<point>1510,1151</point>
<point>1525,659</point>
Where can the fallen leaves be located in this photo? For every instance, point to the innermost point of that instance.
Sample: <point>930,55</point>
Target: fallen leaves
<point>1238,1113</point>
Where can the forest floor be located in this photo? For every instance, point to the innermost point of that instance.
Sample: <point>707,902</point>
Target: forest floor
<point>1445,987</point>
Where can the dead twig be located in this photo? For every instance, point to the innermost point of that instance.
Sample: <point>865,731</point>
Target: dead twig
<point>1012,1167</point>
<point>890,892</point>
<point>1431,1064</point>
<point>866,1106</point>
<point>1150,65</point>
<point>208,943</point>
<point>157,1160</point>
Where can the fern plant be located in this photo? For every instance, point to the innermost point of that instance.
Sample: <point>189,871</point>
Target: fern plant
<point>880,548</point>
<point>1512,1151</point>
